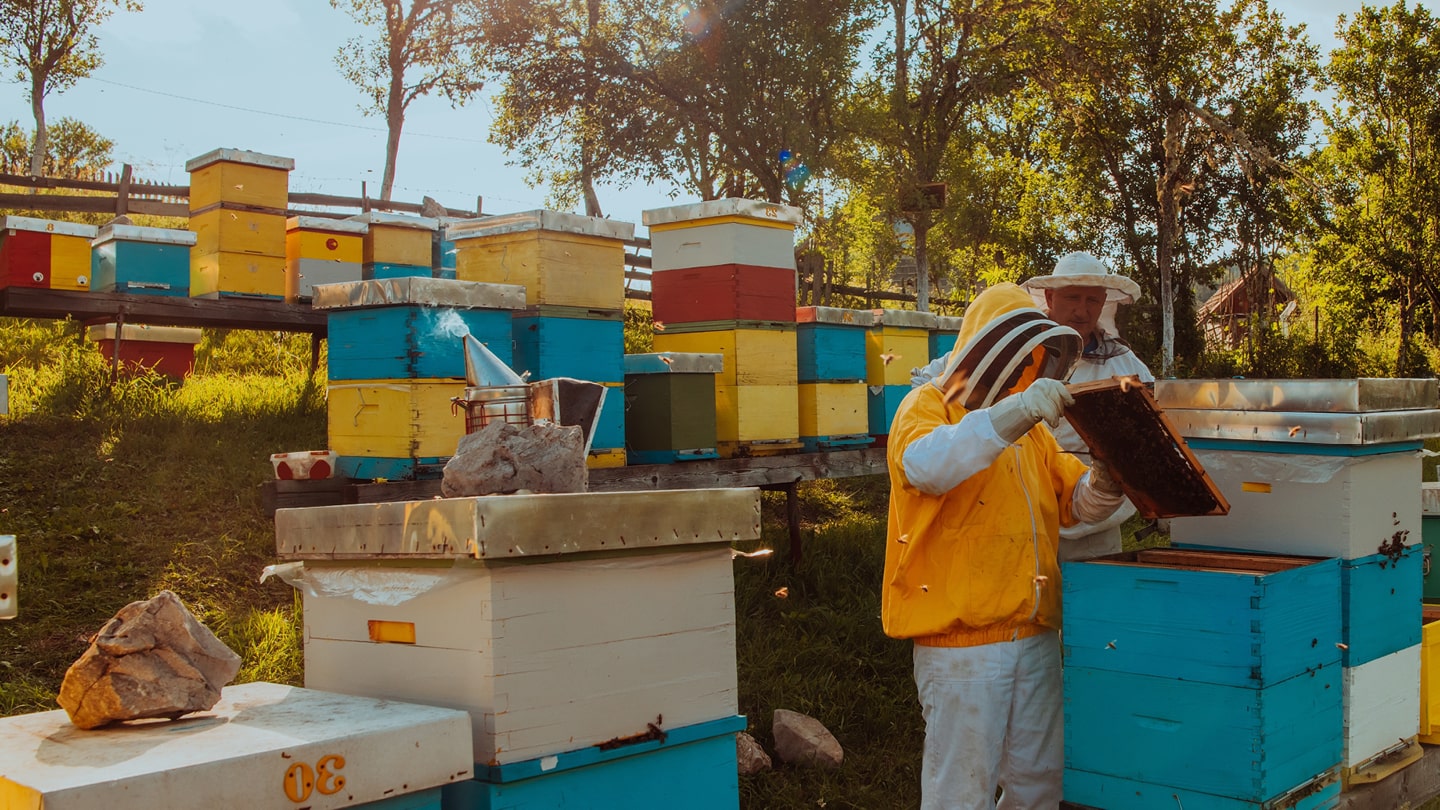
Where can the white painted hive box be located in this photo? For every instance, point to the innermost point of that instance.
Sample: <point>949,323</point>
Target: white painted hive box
<point>558,621</point>
<point>1382,705</point>
<point>262,745</point>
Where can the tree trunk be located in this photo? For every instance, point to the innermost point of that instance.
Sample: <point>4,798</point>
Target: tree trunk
<point>587,146</point>
<point>1168,200</point>
<point>922,263</point>
<point>41,144</point>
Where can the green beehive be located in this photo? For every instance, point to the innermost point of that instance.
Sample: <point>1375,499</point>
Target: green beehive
<point>670,406</point>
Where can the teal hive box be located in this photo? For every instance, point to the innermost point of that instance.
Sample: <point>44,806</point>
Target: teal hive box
<point>143,261</point>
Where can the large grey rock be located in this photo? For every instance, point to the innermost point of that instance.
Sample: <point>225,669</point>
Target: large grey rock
<point>750,755</point>
<point>803,740</point>
<point>501,458</point>
<point>153,659</point>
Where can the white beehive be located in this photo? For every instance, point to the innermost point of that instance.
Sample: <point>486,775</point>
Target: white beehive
<point>557,621</point>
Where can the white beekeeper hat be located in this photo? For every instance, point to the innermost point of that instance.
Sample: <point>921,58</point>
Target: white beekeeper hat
<point>1080,269</point>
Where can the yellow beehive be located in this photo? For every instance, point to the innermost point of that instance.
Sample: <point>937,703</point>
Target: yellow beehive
<point>69,262</point>
<point>397,239</point>
<point>339,240</point>
<point>1430,676</point>
<point>756,413</point>
<point>898,342</point>
<point>225,230</point>
<point>601,459</point>
<point>240,178</point>
<point>561,259</point>
<point>395,418</point>
<point>240,274</point>
<point>752,355</point>
<point>833,409</point>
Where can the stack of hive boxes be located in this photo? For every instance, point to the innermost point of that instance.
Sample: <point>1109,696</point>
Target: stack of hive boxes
<point>320,250</point>
<point>45,253</point>
<point>397,245</point>
<point>1202,679</point>
<point>898,341</point>
<point>396,359</point>
<point>942,339</point>
<point>723,281</point>
<point>1329,468</point>
<point>142,261</point>
<point>670,407</point>
<point>237,212</point>
<point>832,371</point>
<point>573,271</point>
<point>591,636</point>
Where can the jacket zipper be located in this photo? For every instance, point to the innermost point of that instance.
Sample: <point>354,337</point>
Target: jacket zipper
<point>1034,535</point>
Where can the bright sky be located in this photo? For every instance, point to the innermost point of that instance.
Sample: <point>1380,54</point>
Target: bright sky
<point>187,76</point>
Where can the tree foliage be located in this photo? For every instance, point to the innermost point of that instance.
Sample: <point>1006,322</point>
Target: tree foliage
<point>419,48</point>
<point>51,45</point>
<point>73,150</point>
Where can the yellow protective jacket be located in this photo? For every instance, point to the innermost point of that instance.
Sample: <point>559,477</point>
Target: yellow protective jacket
<point>975,564</point>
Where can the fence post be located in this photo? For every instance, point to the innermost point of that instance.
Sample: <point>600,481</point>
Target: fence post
<point>122,199</point>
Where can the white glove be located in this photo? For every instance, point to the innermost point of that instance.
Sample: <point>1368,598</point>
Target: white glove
<point>1013,416</point>
<point>920,376</point>
<point>1102,480</point>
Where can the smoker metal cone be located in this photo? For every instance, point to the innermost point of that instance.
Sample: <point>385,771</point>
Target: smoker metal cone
<point>483,368</point>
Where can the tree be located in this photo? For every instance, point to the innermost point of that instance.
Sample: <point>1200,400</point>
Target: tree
<point>1383,230</point>
<point>74,150</point>
<point>51,44</point>
<point>433,46</point>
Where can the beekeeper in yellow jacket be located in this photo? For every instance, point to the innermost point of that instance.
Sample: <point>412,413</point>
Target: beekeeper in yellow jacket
<point>979,489</point>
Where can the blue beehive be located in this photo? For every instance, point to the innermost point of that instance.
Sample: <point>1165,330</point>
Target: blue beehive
<point>586,344</point>
<point>1376,593</point>
<point>383,270</point>
<point>692,767</point>
<point>884,401</point>
<point>830,343</point>
<point>412,328</point>
<point>144,261</point>
<point>1210,675</point>
<point>943,337</point>
<point>610,426</point>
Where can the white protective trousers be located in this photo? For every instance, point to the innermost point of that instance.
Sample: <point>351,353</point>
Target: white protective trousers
<point>993,717</point>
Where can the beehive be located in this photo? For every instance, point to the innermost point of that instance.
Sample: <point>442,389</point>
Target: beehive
<point>1430,537</point>
<point>670,406</point>
<point>898,342</point>
<point>319,250</point>
<point>397,245</point>
<point>883,402</point>
<point>757,419</point>
<point>753,352</point>
<point>412,327</point>
<point>944,335</point>
<point>1203,676</point>
<point>562,647</point>
<point>262,745</point>
<point>394,428</point>
<point>169,350</point>
<point>239,178</point>
<point>587,344</point>
<point>722,232</point>
<point>237,275</point>
<point>834,416</point>
<point>830,343</point>
<point>723,293</point>
<point>562,259</point>
<point>148,261</point>
<point>607,443</point>
<point>1430,676</point>
<point>1382,710</point>
<point>45,253</point>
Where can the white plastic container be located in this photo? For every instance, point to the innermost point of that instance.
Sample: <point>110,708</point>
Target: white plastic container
<point>304,465</point>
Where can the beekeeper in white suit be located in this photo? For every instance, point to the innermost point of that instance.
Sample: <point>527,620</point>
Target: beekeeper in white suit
<point>1083,293</point>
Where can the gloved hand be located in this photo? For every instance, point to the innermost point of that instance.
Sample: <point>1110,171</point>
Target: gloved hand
<point>1014,415</point>
<point>920,376</point>
<point>1102,480</point>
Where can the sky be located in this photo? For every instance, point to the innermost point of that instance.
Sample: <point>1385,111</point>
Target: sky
<point>184,77</point>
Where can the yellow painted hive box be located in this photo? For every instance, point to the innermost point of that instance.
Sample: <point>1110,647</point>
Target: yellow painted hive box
<point>899,341</point>
<point>602,459</point>
<point>241,178</point>
<point>1430,676</point>
<point>338,240</point>
<point>69,262</point>
<point>240,274</point>
<point>561,259</point>
<point>395,418</point>
<point>834,409</point>
<point>751,413</point>
<point>752,356</point>
<point>225,230</point>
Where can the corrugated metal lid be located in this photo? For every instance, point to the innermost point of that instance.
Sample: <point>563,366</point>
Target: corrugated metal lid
<point>539,220</point>
<point>674,363</point>
<point>729,207</point>
<point>48,226</point>
<point>139,233</point>
<point>436,292</point>
<point>326,224</point>
<point>373,218</point>
<point>239,156</point>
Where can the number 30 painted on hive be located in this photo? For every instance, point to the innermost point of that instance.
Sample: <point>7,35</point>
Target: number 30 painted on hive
<point>301,779</point>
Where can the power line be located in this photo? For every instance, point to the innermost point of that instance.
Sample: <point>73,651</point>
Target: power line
<point>280,115</point>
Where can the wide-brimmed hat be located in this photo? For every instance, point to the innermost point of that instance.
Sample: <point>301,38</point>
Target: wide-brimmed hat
<point>1081,269</point>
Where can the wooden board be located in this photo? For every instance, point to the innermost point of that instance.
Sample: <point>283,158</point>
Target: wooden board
<point>1122,426</point>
